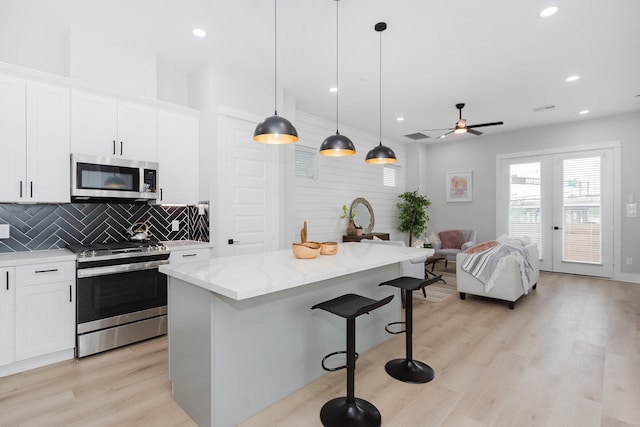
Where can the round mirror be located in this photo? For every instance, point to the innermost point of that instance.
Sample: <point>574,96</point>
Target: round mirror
<point>363,214</point>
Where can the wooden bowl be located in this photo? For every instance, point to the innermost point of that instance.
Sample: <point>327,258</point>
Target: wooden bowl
<point>328,248</point>
<point>307,250</point>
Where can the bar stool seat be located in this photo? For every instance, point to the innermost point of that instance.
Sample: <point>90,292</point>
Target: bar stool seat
<point>407,369</point>
<point>349,410</point>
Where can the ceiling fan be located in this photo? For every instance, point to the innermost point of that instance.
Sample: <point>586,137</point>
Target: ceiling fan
<point>462,127</point>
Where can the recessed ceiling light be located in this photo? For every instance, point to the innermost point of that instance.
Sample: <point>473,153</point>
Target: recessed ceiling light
<point>333,89</point>
<point>583,112</point>
<point>400,118</point>
<point>199,32</point>
<point>572,78</point>
<point>551,10</point>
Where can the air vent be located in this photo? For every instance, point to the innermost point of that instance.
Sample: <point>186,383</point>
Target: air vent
<point>417,136</point>
<point>544,107</point>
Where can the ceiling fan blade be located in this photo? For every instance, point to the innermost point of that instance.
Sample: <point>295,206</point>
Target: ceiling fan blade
<point>433,130</point>
<point>445,134</point>
<point>485,124</point>
<point>473,131</point>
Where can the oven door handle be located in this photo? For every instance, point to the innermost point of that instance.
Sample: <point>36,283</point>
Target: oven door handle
<point>122,268</point>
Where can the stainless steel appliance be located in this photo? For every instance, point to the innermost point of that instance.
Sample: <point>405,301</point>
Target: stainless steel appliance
<point>99,177</point>
<point>121,296</point>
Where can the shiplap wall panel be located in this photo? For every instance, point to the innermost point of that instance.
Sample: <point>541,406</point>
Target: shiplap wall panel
<point>343,179</point>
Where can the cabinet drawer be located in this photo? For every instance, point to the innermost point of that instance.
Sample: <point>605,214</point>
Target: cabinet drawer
<point>179,257</point>
<point>52,272</point>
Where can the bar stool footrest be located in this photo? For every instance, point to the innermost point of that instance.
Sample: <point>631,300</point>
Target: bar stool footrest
<point>337,368</point>
<point>410,371</point>
<point>339,412</point>
<point>386,328</point>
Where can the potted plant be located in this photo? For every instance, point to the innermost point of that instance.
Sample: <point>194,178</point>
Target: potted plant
<point>351,228</point>
<point>413,213</point>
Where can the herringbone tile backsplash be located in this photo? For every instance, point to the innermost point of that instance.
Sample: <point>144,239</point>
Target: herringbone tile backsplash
<point>52,226</point>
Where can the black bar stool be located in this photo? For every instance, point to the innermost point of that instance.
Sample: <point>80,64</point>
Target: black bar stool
<point>350,411</point>
<point>409,370</point>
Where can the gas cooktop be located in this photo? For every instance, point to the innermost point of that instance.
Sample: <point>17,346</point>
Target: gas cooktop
<point>117,249</point>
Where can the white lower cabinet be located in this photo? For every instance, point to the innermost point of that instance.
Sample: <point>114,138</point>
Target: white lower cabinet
<point>7,315</point>
<point>45,309</point>
<point>185,255</point>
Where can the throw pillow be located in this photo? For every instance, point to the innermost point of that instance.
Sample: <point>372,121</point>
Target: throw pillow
<point>451,239</point>
<point>481,247</point>
<point>432,238</point>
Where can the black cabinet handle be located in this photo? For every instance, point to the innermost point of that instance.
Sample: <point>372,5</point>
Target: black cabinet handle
<point>70,294</point>
<point>121,148</point>
<point>183,256</point>
<point>31,189</point>
<point>47,271</point>
<point>114,147</point>
<point>20,189</point>
<point>7,280</point>
<point>161,194</point>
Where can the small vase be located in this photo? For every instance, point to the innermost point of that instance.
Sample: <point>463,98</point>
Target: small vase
<point>351,229</point>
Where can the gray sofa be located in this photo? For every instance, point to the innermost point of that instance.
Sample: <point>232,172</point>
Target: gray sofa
<point>469,237</point>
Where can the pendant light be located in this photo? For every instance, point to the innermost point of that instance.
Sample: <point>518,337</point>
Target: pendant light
<point>337,145</point>
<point>275,129</point>
<point>381,155</point>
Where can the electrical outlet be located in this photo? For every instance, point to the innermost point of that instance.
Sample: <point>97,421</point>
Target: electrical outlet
<point>175,225</point>
<point>629,260</point>
<point>4,231</point>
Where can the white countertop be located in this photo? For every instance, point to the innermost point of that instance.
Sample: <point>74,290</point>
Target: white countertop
<point>186,245</point>
<point>11,259</point>
<point>247,276</point>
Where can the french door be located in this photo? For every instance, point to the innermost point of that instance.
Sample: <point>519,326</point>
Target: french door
<point>565,203</point>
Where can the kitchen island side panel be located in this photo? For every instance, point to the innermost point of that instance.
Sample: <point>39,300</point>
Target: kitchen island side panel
<point>266,347</point>
<point>190,339</point>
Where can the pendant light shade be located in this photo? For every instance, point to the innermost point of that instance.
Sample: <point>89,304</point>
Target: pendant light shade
<point>275,129</point>
<point>381,154</point>
<point>337,145</point>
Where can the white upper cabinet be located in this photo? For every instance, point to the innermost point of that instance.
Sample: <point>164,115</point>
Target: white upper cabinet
<point>107,127</point>
<point>48,144</point>
<point>12,138</point>
<point>178,140</point>
<point>35,139</point>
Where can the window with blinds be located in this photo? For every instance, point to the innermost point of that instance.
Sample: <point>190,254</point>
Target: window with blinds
<point>306,162</point>
<point>525,212</point>
<point>391,176</point>
<point>581,208</point>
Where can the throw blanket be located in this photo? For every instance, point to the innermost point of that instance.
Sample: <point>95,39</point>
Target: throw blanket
<point>486,266</point>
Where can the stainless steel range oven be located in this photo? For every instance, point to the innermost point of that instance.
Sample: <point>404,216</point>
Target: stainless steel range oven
<point>121,296</point>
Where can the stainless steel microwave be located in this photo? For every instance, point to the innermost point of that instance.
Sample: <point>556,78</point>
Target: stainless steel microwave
<point>101,177</point>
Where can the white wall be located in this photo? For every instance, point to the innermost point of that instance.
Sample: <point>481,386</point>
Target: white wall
<point>171,83</point>
<point>479,155</point>
<point>340,181</point>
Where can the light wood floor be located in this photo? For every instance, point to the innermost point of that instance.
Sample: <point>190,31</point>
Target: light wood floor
<point>568,355</point>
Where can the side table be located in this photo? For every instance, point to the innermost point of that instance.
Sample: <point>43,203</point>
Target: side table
<point>431,261</point>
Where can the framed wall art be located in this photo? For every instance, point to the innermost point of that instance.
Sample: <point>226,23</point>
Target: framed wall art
<point>459,186</point>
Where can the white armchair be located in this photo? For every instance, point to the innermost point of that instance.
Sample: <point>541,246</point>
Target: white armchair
<point>508,285</point>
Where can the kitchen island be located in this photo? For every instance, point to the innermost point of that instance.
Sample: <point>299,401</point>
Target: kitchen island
<point>242,334</point>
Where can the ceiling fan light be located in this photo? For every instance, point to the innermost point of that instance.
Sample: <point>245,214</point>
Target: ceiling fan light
<point>381,155</point>
<point>275,130</point>
<point>459,130</point>
<point>337,146</point>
